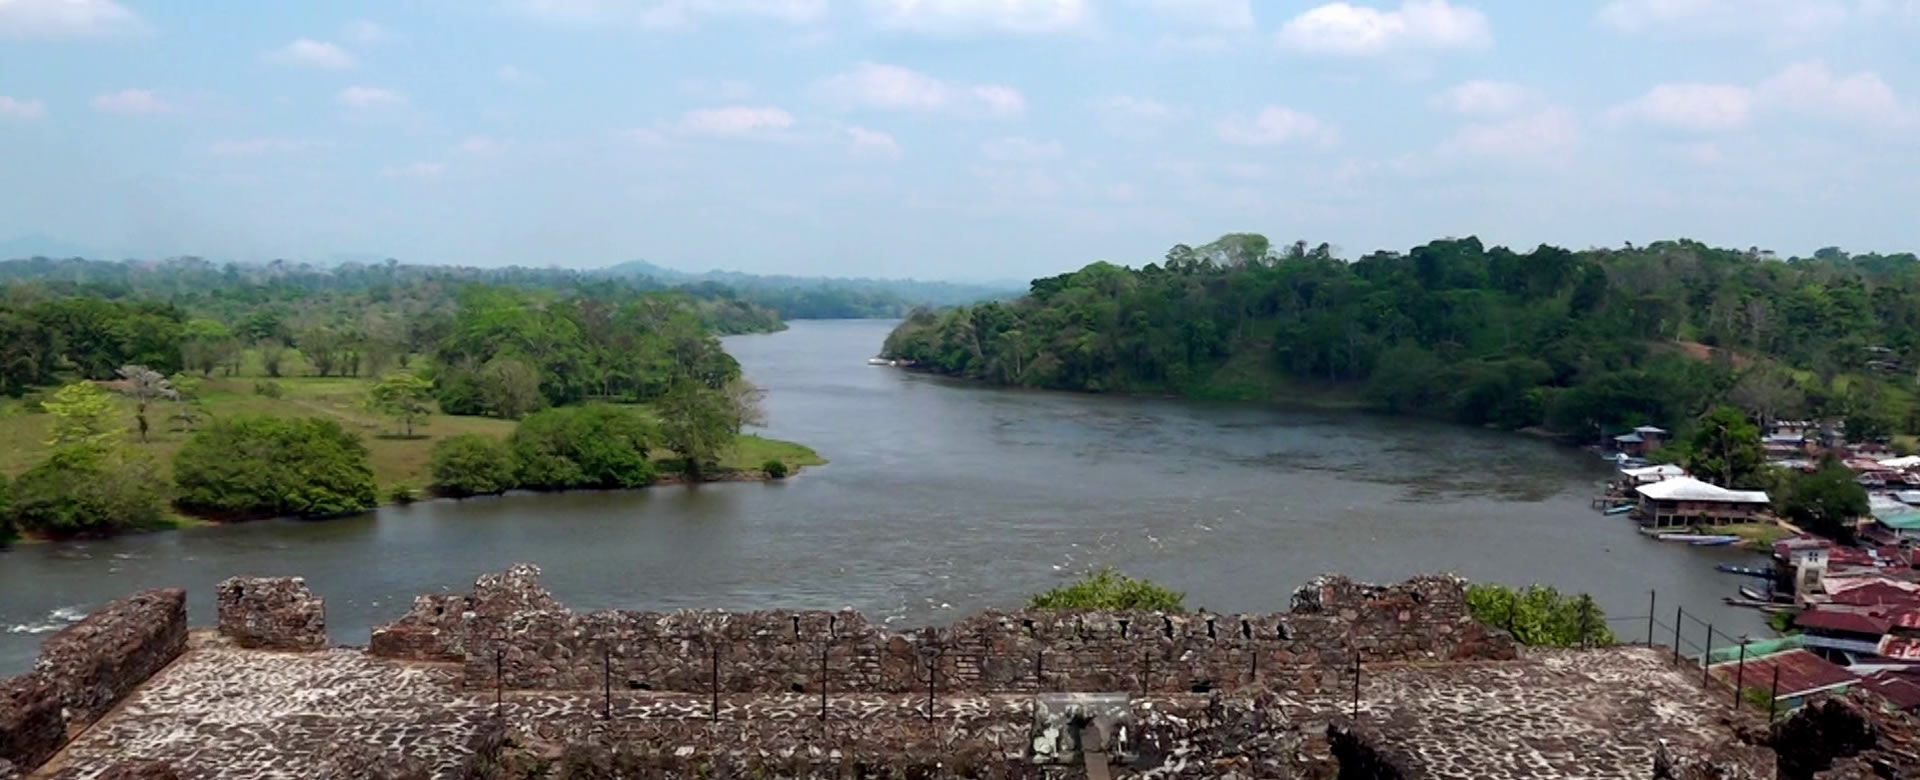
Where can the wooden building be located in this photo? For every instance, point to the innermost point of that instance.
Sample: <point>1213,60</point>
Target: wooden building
<point>1685,501</point>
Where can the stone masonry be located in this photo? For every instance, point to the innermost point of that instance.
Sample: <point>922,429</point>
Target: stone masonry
<point>271,613</point>
<point>512,632</point>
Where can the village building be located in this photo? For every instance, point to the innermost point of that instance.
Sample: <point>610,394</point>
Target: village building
<point>1641,441</point>
<point>1681,502</point>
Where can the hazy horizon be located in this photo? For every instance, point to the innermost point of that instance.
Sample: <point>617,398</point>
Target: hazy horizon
<point>955,140</point>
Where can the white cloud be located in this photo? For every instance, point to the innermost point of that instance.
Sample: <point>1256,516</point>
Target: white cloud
<point>971,16</point>
<point>1345,29</point>
<point>255,147</point>
<point>1807,87</point>
<point>370,97</point>
<point>717,90</point>
<point>1541,134</point>
<point>1725,16</point>
<point>514,76</point>
<point>1135,108</point>
<point>131,101</point>
<point>423,169</point>
<point>1021,150</point>
<point>480,146</point>
<point>666,14</point>
<point>16,108</point>
<point>873,143</point>
<point>1214,14</point>
<point>893,87</point>
<point>366,33</point>
<point>1274,126</point>
<point>1484,98</point>
<point>734,120</point>
<point>308,53</point>
<point>64,18</point>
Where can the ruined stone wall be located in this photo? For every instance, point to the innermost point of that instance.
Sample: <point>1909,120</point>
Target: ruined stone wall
<point>87,668</point>
<point>271,613</point>
<point>512,633</point>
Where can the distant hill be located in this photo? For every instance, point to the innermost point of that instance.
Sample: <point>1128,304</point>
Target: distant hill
<point>815,297</point>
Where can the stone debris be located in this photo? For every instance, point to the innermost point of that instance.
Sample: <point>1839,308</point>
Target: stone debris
<point>271,613</point>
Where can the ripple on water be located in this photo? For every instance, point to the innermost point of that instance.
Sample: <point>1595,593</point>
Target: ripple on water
<point>55,619</point>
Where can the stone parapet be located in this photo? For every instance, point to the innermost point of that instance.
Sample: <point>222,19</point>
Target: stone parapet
<point>271,613</point>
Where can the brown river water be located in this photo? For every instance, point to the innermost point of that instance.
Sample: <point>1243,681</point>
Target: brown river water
<point>944,497</point>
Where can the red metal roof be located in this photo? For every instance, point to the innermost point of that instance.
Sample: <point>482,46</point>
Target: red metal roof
<point>1907,619</point>
<point>1801,673</point>
<point>1878,593</point>
<point>1849,619</point>
<point>1902,648</point>
<point>1901,688</point>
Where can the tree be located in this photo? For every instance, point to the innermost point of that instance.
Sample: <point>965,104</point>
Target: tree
<point>1825,502</point>
<point>205,344</point>
<point>473,464</point>
<point>510,388</point>
<point>1539,615</point>
<point>1725,449</point>
<point>272,352</point>
<point>591,446</point>
<point>145,386</point>
<point>82,416</point>
<point>257,466</point>
<point>405,397</point>
<point>87,491</point>
<point>698,423</point>
<point>1766,393</point>
<point>1106,590</point>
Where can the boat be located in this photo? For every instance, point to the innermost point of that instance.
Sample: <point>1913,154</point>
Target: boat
<point>879,362</point>
<point>1714,541</point>
<point>1618,509</point>
<point>1699,539</point>
<point>1754,595</point>
<point>1747,570</point>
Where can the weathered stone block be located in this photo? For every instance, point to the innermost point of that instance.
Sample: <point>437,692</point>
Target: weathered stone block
<point>32,724</point>
<point>99,660</point>
<point>271,613</point>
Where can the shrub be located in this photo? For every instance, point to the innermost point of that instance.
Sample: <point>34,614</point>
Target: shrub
<point>775,468</point>
<point>267,388</point>
<point>1105,589</point>
<point>1541,616</point>
<point>472,464</point>
<point>592,446</point>
<point>90,491</point>
<point>258,466</point>
<point>402,494</point>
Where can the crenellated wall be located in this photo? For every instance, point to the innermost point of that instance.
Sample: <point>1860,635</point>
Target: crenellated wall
<point>86,669</point>
<point>512,633</point>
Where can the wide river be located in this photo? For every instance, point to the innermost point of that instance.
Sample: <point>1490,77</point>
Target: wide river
<point>944,497</point>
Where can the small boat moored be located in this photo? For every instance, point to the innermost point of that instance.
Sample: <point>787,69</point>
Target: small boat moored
<point>880,362</point>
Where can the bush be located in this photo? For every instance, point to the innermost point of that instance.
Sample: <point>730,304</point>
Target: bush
<point>257,466</point>
<point>402,494</point>
<point>775,468</point>
<point>472,464</point>
<point>592,446</point>
<point>1106,590</point>
<point>90,491</point>
<point>267,388</point>
<point>1541,616</point>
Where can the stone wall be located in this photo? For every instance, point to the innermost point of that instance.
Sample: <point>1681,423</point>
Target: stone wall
<point>513,633</point>
<point>86,669</point>
<point>1363,755</point>
<point>271,613</point>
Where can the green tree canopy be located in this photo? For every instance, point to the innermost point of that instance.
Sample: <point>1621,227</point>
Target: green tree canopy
<point>1725,450</point>
<point>406,398</point>
<point>1107,590</point>
<point>473,464</point>
<point>1825,502</point>
<point>257,466</point>
<point>88,491</point>
<point>82,416</point>
<point>589,446</point>
<point>1540,615</point>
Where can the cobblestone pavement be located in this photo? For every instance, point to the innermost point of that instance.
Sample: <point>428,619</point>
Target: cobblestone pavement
<point>224,712</point>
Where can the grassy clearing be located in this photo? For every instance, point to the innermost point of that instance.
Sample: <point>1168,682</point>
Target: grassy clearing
<point>396,459</point>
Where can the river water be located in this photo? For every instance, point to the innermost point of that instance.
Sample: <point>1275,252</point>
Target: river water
<point>944,497</point>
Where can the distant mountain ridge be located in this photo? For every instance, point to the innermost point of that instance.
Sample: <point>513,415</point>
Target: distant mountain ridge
<point>817,297</point>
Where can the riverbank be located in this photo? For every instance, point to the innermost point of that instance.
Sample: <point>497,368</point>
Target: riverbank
<point>401,464</point>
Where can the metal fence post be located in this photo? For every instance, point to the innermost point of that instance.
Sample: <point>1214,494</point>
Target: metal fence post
<point>606,680</point>
<point>1706,655</point>
<point>499,679</point>
<point>1653,600</point>
<point>1586,622</point>
<point>1773,698</point>
<point>714,651</point>
<point>1356,686</point>
<point>1679,616</point>
<point>1740,674</point>
<point>823,679</point>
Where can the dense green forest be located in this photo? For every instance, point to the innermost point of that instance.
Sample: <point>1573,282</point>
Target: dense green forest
<point>1579,342</point>
<point>818,298</point>
<point>240,392</point>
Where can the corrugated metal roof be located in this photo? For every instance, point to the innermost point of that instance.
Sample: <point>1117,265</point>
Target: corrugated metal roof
<point>1690,489</point>
<point>1901,688</point>
<point>1801,673</point>
<point>1903,648</point>
<point>1847,619</point>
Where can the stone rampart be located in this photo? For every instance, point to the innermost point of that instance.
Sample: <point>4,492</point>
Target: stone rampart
<point>86,669</point>
<point>512,633</point>
<point>271,613</point>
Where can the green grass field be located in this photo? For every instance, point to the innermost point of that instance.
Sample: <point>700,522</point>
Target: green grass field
<point>397,460</point>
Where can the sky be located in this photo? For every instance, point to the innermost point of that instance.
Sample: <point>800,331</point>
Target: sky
<point>953,139</point>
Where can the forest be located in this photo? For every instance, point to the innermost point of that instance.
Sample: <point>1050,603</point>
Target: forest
<point>819,298</point>
<point>136,394</point>
<point>1577,342</point>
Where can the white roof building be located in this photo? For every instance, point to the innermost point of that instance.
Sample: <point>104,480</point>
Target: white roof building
<point>1901,464</point>
<point>1657,473</point>
<point>1690,489</point>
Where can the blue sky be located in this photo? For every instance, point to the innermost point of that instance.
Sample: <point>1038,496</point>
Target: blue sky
<point>963,139</point>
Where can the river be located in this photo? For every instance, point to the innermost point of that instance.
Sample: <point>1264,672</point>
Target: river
<point>944,497</point>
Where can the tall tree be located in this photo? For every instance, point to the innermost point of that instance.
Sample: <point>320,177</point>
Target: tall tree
<point>82,416</point>
<point>406,398</point>
<point>1725,449</point>
<point>145,386</point>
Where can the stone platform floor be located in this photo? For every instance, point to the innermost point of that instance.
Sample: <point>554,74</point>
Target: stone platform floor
<point>220,711</point>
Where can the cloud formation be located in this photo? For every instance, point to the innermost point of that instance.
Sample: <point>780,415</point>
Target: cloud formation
<point>734,121</point>
<point>131,101</point>
<point>1347,30</point>
<point>892,87</point>
<point>309,53</point>
<point>360,97</point>
<point>964,17</point>
<point>1276,126</point>
<point>1807,88</point>
<point>65,19</point>
<point>17,108</point>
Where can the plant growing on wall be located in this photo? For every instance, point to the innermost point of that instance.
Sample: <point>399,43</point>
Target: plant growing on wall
<point>1540,615</point>
<point>1106,589</point>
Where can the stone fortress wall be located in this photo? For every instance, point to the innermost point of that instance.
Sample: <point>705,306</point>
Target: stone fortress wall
<point>512,634</point>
